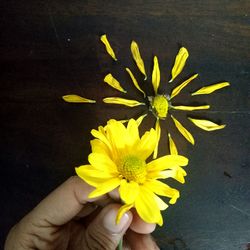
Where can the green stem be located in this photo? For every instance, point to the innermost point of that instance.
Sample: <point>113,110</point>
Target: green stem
<point>120,244</point>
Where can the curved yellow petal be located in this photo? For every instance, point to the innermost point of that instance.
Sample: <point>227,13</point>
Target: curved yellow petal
<point>98,146</point>
<point>99,135</point>
<point>172,147</point>
<point>147,207</point>
<point>122,210</point>
<point>210,89</point>
<point>176,173</point>
<point>156,75</point>
<point>105,187</point>
<point>206,125</point>
<point>137,57</point>
<point>191,108</point>
<point>77,99</point>
<point>133,132</point>
<point>111,81</point>
<point>178,89</point>
<point>180,61</point>
<point>109,49</point>
<point>161,204</point>
<point>183,130</point>
<point>158,134</point>
<point>140,119</point>
<point>135,81</point>
<point>122,101</point>
<point>128,191</point>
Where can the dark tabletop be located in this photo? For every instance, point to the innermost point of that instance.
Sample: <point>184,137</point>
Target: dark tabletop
<point>52,48</point>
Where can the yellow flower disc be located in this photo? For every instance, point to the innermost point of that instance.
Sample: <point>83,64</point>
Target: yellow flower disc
<point>159,105</point>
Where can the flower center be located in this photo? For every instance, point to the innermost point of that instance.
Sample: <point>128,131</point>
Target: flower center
<point>159,104</point>
<point>133,169</point>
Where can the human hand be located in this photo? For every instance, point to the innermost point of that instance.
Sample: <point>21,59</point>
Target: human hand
<point>68,219</point>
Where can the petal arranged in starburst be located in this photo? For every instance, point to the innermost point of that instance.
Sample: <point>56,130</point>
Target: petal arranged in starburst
<point>206,124</point>
<point>77,99</point>
<point>140,119</point>
<point>180,61</point>
<point>172,146</point>
<point>111,81</point>
<point>191,108</point>
<point>210,89</point>
<point>156,75</point>
<point>135,81</point>
<point>137,57</point>
<point>158,132</point>
<point>109,49</point>
<point>122,101</point>
<point>178,89</point>
<point>183,130</point>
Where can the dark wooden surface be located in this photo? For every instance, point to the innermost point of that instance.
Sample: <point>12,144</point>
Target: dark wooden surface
<point>52,48</point>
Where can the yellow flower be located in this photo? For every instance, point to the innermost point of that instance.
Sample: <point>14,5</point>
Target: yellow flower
<point>119,159</point>
<point>161,104</point>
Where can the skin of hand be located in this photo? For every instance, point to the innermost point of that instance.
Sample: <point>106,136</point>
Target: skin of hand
<point>68,219</point>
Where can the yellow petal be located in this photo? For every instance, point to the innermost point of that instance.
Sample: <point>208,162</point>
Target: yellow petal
<point>122,101</point>
<point>99,146</point>
<point>135,81</point>
<point>108,47</point>
<point>156,75</point>
<point>77,99</point>
<point>191,108</point>
<point>158,134</point>
<point>178,89</point>
<point>105,187</point>
<point>183,131</point>
<point>206,125</point>
<point>161,204</point>
<point>172,147</point>
<point>99,135</point>
<point>137,57</point>
<point>122,210</point>
<point>140,119</point>
<point>179,63</point>
<point>210,89</point>
<point>128,191</point>
<point>110,80</point>
<point>147,207</point>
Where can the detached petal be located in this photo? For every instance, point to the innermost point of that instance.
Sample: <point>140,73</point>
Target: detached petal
<point>140,119</point>
<point>108,47</point>
<point>183,131</point>
<point>191,108</point>
<point>122,101</point>
<point>135,81</point>
<point>206,125</point>
<point>172,147</point>
<point>156,75</point>
<point>111,81</point>
<point>137,57</point>
<point>158,134</point>
<point>178,89</point>
<point>128,191</point>
<point>180,61</point>
<point>210,89</point>
<point>77,99</point>
<point>122,211</point>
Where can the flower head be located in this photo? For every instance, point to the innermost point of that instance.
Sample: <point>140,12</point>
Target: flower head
<point>119,159</point>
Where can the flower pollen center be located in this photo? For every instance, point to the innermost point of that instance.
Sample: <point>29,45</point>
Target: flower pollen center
<point>159,105</point>
<point>133,169</point>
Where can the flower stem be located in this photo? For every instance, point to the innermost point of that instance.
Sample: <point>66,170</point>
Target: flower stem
<point>120,244</point>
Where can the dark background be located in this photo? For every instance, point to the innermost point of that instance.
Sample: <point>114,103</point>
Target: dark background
<point>49,49</point>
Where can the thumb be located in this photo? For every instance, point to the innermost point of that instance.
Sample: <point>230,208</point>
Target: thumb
<point>103,232</point>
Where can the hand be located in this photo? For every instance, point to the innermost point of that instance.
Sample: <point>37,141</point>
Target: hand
<point>68,219</point>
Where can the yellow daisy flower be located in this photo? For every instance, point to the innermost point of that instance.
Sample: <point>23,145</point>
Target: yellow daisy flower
<point>161,104</point>
<point>119,159</point>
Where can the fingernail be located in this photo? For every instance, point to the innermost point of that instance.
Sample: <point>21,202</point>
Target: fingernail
<point>110,224</point>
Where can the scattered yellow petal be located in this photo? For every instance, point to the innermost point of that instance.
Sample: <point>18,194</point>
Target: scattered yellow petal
<point>77,99</point>
<point>183,130</point>
<point>109,49</point>
<point>123,209</point>
<point>122,101</point>
<point>210,89</point>
<point>179,63</point>
<point>156,75</point>
<point>191,108</point>
<point>178,89</point>
<point>135,81</point>
<point>140,119</point>
<point>172,146</point>
<point>137,57</point>
<point>206,125</point>
<point>158,134</point>
<point>110,80</point>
